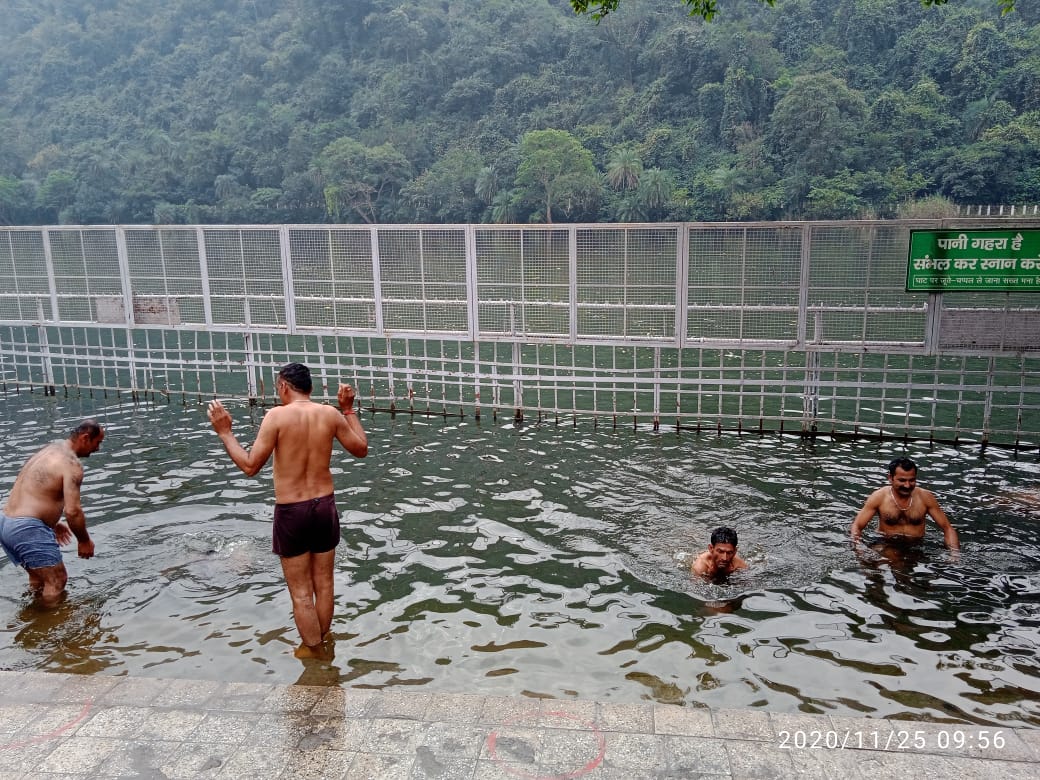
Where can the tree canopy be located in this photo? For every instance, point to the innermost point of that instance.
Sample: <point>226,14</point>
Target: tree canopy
<point>707,9</point>
<point>394,111</point>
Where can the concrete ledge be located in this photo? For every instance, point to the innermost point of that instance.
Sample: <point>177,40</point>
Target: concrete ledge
<point>78,727</point>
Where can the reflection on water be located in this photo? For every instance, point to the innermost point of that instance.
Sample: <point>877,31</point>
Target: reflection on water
<point>548,561</point>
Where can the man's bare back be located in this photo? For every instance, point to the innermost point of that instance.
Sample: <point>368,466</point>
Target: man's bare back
<point>299,434</point>
<point>39,490</point>
<point>303,432</point>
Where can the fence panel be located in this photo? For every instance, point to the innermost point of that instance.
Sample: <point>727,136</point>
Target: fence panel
<point>801,327</point>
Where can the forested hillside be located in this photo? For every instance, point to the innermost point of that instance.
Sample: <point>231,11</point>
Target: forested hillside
<point>389,111</point>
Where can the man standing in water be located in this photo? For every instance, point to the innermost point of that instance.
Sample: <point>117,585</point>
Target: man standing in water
<point>901,508</point>
<point>31,528</point>
<point>306,523</point>
<point>720,559</point>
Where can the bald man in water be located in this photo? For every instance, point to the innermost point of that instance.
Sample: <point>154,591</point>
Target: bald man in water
<point>31,524</point>
<point>306,524</point>
<point>901,507</point>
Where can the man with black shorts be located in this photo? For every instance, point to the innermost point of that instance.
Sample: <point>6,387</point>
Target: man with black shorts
<point>306,524</point>
<point>31,526</point>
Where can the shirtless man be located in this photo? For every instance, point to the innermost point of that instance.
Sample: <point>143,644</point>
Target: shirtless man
<point>31,528</point>
<point>901,508</point>
<point>721,556</point>
<point>306,523</point>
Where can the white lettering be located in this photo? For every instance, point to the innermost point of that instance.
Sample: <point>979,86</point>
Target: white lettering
<point>989,244</point>
<point>961,242</point>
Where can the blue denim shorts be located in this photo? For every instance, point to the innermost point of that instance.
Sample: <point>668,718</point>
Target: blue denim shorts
<point>29,542</point>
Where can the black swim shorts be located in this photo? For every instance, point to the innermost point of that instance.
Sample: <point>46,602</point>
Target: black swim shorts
<point>310,526</point>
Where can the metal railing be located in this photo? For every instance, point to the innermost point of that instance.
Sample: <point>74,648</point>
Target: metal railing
<point>800,327</point>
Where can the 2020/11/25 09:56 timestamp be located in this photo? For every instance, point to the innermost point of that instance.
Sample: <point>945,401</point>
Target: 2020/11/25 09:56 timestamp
<point>893,739</point>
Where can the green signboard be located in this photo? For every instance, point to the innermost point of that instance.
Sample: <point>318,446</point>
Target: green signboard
<point>1004,260</point>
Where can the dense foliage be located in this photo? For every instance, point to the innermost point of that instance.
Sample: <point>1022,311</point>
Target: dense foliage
<point>302,111</point>
<point>707,9</point>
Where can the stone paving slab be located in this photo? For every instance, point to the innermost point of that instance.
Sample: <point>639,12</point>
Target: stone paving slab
<point>68,726</point>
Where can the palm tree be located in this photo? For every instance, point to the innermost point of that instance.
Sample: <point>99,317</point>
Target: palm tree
<point>624,168</point>
<point>487,184</point>
<point>631,209</point>
<point>504,208</point>
<point>655,188</point>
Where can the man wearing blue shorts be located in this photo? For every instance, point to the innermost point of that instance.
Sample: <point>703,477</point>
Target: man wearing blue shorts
<point>31,526</point>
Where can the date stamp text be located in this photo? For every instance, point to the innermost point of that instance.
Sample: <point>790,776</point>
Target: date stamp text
<point>892,739</point>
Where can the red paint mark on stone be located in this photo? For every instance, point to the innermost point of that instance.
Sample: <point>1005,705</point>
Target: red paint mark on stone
<point>601,741</point>
<point>53,733</point>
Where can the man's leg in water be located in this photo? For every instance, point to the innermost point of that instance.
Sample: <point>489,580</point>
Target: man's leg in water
<point>322,571</point>
<point>299,577</point>
<point>49,582</point>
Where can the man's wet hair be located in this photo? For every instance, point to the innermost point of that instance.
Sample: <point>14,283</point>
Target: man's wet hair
<point>297,375</point>
<point>903,463</point>
<point>724,535</point>
<point>89,427</point>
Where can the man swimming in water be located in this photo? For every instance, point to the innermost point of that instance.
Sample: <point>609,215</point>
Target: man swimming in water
<point>31,528</point>
<point>720,559</point>
<point>306,523</point>
<point>901,507</point>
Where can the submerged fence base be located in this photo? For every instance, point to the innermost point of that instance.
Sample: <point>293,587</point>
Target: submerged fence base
<point>959,399</point>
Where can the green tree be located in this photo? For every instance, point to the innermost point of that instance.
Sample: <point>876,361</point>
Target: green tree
<point>738,104</point>
<point>447,190</point>
<point>11,199</point>
<point>816,130</point>
<point>707,9</point>
<point>655,188</point>
<point>57,192</point>
<point>487,184</point>
<point>358,178</point>
<point>624,168</point>
<point>505,208</point>
<point>599,9</point>
<point>556,172</point>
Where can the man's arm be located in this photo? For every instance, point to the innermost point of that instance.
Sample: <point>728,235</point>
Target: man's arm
<point>77,521</point>
<point>864,516</point>
<point>935,512</point>
<point>349,431</point>
<point>252,460</point>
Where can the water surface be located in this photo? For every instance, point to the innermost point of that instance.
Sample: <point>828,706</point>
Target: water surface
<point>546,560</point>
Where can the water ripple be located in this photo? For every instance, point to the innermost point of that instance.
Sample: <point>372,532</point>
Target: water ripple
<point>547,561</point>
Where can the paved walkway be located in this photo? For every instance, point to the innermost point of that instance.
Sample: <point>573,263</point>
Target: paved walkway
<point>57,725</point>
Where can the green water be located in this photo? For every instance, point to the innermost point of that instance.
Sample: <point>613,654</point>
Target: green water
<point>546,560</point>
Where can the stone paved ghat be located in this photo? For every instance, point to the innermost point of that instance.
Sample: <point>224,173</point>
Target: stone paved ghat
<point>69,726</point>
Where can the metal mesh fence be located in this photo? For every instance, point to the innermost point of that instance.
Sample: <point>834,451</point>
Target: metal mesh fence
<point>801,327</point>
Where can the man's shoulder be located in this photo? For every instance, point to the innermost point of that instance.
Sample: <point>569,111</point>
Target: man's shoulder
<point>928,496</point>
<point>280,415</point>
